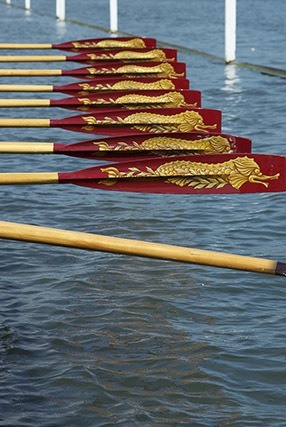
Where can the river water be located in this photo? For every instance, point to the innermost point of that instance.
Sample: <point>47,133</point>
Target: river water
<point>94,339</point>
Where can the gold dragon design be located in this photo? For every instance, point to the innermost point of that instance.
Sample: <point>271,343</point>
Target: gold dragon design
<point>214,144</point>
<point>151,122</point>
<point>126,55</point>
<point>235,172</point>
<point>110,43</point>
<point>168,100</point>
<point>164,70</point>
<point>162,84</point>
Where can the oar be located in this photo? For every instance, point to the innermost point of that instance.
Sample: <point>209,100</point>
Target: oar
<point>202,174</point>
<point>114,100</point>
<point>88,44</point>
<point>135,69</point>
<point>116,245</point>
<point>123,122</point>
<point>137,146</point>
<point>169,55</point>
<point>102,84</point>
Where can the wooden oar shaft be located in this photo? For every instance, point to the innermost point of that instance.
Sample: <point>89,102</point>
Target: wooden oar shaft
<point>27,147</point>
<point>51,236</point>
<point>25,103</point>
<point>31,58</point>
<point>19,73</point>
<point>25,46</point>
<point>29,178</point>
<point>26,88</point>
<point>24,123</point>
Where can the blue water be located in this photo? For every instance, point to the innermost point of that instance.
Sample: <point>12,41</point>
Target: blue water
<point>95,339</point>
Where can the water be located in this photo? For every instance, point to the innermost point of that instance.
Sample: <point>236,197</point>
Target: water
<point>94,339</point>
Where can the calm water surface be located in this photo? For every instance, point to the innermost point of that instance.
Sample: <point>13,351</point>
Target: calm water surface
<point>94,339</point>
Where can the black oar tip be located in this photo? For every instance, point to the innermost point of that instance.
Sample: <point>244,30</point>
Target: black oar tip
<point>280,269</point>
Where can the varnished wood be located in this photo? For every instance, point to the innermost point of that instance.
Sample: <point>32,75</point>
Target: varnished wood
<point>30,58</point>
<point>25,46</point>
<point>24,123</point>
<point>51,236</point>
<point>18,73</point>
<point>29,178</point>
<point>26,88</point>
<point>27,147</point>
<point>25,103</point>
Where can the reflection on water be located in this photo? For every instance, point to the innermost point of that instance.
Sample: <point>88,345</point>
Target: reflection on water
<point>232,79</point>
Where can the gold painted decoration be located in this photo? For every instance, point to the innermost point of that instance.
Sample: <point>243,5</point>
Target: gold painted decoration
<point>124,55</point>
<point>214,144</point>
<point>186,121</point>
<point>165,70</point>
<point>162,84</point>
<point>171,99</point>
<point>199,175</point>
<point>113,43</point>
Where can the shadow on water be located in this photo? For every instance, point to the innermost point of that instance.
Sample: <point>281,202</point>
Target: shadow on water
<point>111,348</point>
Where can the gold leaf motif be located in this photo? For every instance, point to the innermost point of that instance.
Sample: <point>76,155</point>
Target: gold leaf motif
<point>92,121</point>
<point>154,55</point>
<point>111,43</point>
<point>164,70</point>
<point>183,122</point>
<point>151,122</point>
<point>161,84</point>
<point>199,175</point>
<point>171,99</point>
<point>213,144</point>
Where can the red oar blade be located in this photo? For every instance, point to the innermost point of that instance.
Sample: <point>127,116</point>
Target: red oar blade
<point>136,147</point>
<point>121,83</point>
<point>132,69</point>
<point>106,43</point>
<point>151,120</point>
<point>207,174</point>
<point>130,100</point>
<point>162,55</point>
<point>110,101</point>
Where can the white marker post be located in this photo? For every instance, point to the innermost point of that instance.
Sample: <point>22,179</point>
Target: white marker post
<point>230,30</point>
<point>113,11</point>
<point>61,10</point>
<point>27,4</point>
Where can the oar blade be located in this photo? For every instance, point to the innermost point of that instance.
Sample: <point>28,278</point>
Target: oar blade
<point>131,69</point>
<point>152,120</point>
<point>134,147</point>
<point>106,43</point>
<point>130,100</point>
<point>121,83</point>
<point>163,55</point>
<point>207,174</point>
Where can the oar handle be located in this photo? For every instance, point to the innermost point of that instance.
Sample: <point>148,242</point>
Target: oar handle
<point>26,88</point>
<point>29,178</point>
<point>25,46</point>
<point>94,242</point>
<point>19,73</point>
<point>27,147</point>
<point>43,58</point>
<point>25,103</point>
<point>24,123</point>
